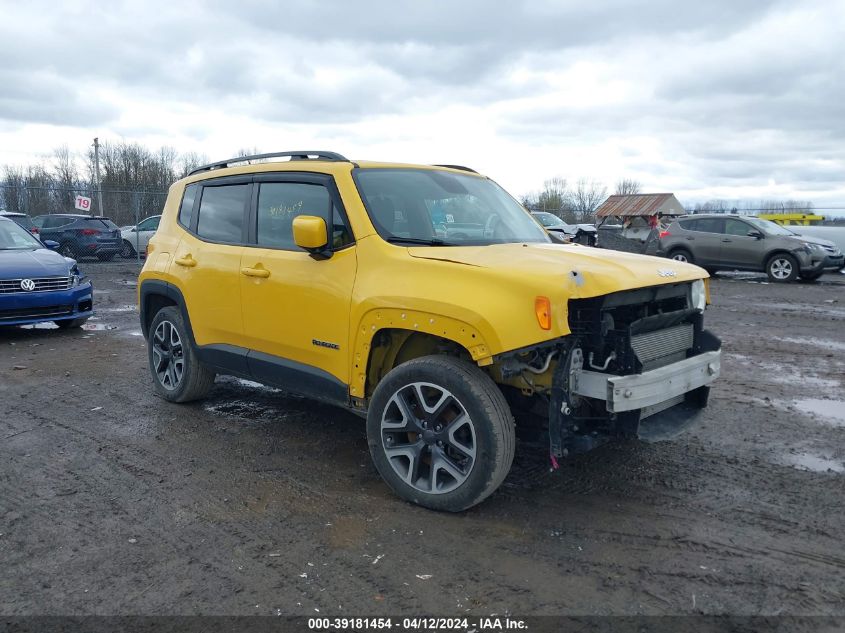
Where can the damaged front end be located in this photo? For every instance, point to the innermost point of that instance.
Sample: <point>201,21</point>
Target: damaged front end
<point>635,361</point>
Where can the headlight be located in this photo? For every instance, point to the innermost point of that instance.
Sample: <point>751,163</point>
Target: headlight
<point>75,276</point>
<point>698,295</point>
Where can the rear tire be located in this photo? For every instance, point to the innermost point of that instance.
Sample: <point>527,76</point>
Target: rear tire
<point>178,375</point>
<point>68,250</point>
<point>441,433</point>
<point>782,268</point>
<point>681,255</point>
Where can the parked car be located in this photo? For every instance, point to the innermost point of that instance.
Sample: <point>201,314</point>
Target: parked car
<point>300,274</point>
<point>137,237</point>
<point>580,233</point>
<point>38,284</point>
<point>81,235</point>
<point>22,219</point>
<point>740,242</point>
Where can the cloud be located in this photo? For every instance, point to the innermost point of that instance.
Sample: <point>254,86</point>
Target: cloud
<point>696,97</point>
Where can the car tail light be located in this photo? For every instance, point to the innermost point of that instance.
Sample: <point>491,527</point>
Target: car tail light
<point>90,232</point>
<point>664,234</point>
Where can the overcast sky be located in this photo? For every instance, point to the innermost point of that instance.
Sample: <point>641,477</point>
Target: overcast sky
<point>720,99</point>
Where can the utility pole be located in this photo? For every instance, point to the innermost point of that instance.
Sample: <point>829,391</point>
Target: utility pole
<point>97,174</point>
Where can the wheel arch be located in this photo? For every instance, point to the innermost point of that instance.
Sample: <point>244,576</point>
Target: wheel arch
<point>153,295</point>
<point>778,251</point>
<point>388,337</point>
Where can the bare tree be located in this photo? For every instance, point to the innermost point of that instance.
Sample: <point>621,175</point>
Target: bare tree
<point>189,162</point>
<point>627,187</point>
<point>555,197</point>
<point>586,198</point>
<point>14,192</point>
<point>65,178</point>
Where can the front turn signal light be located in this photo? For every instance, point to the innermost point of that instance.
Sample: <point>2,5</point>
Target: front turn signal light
<point>543,310</point>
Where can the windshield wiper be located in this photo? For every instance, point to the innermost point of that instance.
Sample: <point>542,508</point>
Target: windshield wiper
<point>413,240</point>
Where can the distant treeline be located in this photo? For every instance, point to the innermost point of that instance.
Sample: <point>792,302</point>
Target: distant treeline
<point>133,179</point>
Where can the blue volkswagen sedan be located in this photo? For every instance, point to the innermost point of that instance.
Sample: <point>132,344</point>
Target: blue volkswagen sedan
<point>37,284</point>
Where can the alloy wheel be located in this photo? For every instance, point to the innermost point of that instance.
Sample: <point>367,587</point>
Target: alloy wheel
<point>428,438</point>
<point>781,268</point>
<point>168,355</point>
<point>680,257</point>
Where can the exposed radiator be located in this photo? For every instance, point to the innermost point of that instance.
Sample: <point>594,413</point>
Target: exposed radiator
<point>661,347</point>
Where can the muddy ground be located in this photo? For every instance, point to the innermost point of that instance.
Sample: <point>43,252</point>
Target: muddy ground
<point>113,501</point>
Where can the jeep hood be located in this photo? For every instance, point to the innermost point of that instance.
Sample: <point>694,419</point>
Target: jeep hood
<point>592,271</point>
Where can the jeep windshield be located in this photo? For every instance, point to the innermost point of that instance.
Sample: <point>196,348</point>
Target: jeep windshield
<point>431,207</point>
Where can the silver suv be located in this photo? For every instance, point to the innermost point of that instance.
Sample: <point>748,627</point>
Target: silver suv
<point>734,242</point>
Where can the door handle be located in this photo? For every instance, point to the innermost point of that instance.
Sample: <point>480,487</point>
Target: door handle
<point>262,273</point>
<point>690,238</point>
<point>187,261</point>
<point>727,240</point>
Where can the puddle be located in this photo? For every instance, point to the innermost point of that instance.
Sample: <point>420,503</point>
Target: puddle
<point>783,374</point>
<point>40,326</point>
<point>814,463</point>
<point>124,308</point>
<point>243,382</point>
<point>815,342</point>
<point>832,410</point>
<point>804,308</point>
<point>98,327</point>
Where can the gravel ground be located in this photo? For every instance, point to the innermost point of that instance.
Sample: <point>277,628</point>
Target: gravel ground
<point>113,501</point>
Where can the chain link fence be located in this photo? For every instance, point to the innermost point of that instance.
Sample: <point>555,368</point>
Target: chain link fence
<point>122,206</point>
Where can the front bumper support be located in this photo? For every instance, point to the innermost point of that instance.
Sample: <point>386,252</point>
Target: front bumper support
<point>639,391</point>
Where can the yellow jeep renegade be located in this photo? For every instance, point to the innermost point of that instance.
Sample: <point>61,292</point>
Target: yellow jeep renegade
<point>424,298</point>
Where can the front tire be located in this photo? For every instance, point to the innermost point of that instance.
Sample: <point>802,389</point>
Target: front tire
<point>67,249</point>
<point>441,433</point>
<point>682,255</point>
<point>782,268</point>
<point>178,375</point>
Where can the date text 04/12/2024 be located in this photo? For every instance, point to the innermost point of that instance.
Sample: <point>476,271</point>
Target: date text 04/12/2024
<point>417,624</point>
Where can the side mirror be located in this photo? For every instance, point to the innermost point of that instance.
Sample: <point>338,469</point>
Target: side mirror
<point>52,245</point>
<point>755,234</point>
<point>310,233</point>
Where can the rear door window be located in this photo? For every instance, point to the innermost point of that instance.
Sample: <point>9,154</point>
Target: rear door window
<point>221,213</point>
<point>709,225</point>
<point>54,222</point>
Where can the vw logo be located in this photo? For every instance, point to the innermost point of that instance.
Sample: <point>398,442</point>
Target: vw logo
<point>28,285</point>
<point>666,272</point>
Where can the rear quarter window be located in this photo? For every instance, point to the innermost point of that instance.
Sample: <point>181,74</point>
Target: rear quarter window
<point>187,206</point>
<point>100,223</point>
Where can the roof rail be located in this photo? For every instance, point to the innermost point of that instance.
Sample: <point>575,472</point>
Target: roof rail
<point>302,155</point>
<point>461,167</point>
